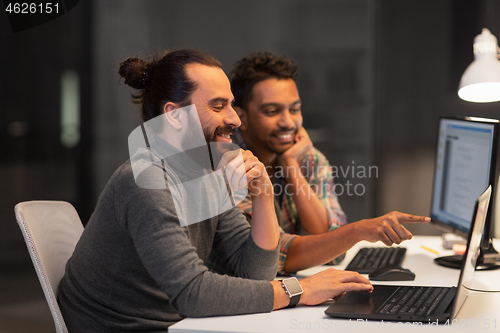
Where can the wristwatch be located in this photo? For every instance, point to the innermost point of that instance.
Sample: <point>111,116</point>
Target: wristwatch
<point>293,289</point>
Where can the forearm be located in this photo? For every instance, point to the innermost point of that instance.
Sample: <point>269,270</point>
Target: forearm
<point>264,228</point>
<point>310,209</point>
<point>308,251</point>
<point>222,295</point>
<point>281,299</point>
<point>251,261</point>
<point>313,250</point>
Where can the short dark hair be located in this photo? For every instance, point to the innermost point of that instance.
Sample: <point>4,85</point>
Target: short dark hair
<point>163,79</point>
<point>259,67</point>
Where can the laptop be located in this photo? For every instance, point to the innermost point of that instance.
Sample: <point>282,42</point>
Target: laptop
<point>418,303</point>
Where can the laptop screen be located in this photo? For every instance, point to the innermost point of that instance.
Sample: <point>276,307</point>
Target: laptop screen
<point>472,251</point>
<point>465,166</point>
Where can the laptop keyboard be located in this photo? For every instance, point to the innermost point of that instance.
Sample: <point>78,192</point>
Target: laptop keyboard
<point>369,259</point>
<point>418,301</point>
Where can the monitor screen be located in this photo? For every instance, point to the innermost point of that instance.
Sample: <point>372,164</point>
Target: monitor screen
<point>465,166</point>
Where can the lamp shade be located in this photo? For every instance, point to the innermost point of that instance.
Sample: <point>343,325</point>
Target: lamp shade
<point>481,80</point>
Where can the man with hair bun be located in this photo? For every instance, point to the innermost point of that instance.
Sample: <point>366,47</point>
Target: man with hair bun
<point>136,267</point>
<point>314,229</point>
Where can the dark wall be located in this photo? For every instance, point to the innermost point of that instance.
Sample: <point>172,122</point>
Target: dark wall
<point>423,49</point>
<point>34,164</point>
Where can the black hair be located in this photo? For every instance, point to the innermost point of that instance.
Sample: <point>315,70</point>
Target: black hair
<point>163,79</point>
<point>259,67</point>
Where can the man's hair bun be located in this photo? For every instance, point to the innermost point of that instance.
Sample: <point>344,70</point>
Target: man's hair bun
<point>162,79</point>
<point>134,71</point>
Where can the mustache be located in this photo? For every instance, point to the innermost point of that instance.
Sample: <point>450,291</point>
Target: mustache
<point>286,130</point>
<point>225,129</point>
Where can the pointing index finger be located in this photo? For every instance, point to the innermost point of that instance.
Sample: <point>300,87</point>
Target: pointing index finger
<point>407,218</point>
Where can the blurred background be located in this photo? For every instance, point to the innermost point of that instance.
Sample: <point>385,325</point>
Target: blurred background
<point>375,75</point>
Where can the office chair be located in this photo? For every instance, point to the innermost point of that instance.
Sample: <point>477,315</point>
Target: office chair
<point>51,230</point>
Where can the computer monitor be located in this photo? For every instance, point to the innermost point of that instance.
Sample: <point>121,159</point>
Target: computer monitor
<point>465,166</point>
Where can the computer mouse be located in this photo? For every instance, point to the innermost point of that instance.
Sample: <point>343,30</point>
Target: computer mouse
<point>392,273</point>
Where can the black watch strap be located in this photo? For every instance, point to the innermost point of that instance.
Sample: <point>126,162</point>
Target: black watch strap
<point>294,300</point>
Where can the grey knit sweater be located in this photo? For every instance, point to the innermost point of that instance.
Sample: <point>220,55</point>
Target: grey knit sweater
<point>136,269</point>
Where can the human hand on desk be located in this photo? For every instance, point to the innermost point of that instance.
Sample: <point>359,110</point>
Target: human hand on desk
<point>322,286</point>
<point>331,283</point>
<point>388,228</point>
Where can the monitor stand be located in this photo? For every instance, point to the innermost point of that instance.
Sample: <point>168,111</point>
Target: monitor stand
<point>488,259</point>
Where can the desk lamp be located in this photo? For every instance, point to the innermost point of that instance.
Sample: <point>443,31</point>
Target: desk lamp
<point>480,83</point>
<point>481,80</point>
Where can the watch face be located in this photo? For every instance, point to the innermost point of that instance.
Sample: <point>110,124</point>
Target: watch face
<point>293,286</point>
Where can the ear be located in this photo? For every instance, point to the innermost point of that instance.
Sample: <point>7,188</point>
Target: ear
<point>173,115</point>
<point>243,117</point>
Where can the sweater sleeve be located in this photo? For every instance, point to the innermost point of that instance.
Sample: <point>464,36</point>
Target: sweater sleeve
<point>236,247</point>
<point>171,258</point>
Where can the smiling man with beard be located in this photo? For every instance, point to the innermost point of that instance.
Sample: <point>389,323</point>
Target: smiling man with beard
<point>137,267</point>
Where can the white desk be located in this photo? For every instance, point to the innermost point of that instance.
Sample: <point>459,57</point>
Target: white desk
<point>480,313</point>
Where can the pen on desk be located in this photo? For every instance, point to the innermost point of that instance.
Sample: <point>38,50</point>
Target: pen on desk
<point>429,249</point>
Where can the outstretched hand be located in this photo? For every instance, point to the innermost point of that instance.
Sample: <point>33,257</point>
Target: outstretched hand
<point>388,228</point>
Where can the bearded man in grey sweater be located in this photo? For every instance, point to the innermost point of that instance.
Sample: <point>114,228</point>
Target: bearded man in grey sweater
<point>140,263</point>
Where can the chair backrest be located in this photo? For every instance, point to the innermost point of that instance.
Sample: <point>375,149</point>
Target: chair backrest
<point>51,230</point>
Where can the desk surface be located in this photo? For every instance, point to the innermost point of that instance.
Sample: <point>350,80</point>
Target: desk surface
<point>480,313</point>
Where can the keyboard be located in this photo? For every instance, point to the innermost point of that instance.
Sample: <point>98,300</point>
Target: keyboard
<point>420,301</point>
<point>369,259</point>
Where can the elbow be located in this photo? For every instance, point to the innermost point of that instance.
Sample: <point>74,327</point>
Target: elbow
<point>192,309</point>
